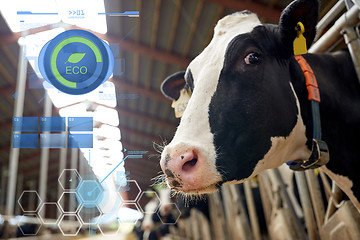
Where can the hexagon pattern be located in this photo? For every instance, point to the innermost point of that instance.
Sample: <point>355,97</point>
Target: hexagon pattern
<point>49,206</point>
<point>144,195</point>
<point>78,206</point>
<point>90,216</point>
<point>69,224</point>
<point>90,193</point>
<point>124,219</point>
<point>68,202</point>
<point>175,215</point>
<point>91,230</point>
<point>24,201</point>
<point>106,230</point>
<point>70,178</point>
<point>29,228</point>
<point>134,186</point>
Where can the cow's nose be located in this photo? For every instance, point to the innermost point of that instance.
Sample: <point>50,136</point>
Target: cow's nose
<point>181,166</point>
<point>188,160</point>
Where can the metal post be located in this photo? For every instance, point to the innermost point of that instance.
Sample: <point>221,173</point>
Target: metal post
<point>237,221</point>
<point>266,198</point>
<point>19,189</point>
<point>333,34</point>
<point>73,165</point>
<point>32,203</point>
<point>3,190</point>
<point>242,221</point>
<point>252,211</point>
<point>306,204</point>
<point>353,43</point>
<point>74,158</point>
<point>279,186</point>
<point>317,201</point>
<point>329,17</point>
<point>334,201</point>
<point>44,158</point>
<point>218,222</point>
<point>82,163</point>
<point>62,166</point>
<point>18,112</point>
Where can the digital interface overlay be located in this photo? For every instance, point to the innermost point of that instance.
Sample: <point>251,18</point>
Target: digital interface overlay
<point>75,63</point>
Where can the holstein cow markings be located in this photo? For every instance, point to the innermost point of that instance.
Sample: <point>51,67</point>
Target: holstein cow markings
<point>249,110</point>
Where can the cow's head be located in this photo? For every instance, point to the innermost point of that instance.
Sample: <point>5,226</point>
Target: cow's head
<point>243,115</point>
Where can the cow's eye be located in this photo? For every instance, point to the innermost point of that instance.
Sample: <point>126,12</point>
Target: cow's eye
<point>252,58</point>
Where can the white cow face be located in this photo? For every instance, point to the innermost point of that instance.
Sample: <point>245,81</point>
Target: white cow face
<point>243,117</point>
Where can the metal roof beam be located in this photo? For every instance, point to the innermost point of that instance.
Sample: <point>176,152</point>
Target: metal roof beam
<point>146,118</point>
<point>124,44</point>
<point>141,135</point>
<point>123,84</point>
<point>142,49</point>
<point>120,83</point>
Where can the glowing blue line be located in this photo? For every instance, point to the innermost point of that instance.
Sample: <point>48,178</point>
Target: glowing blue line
<point>126,13</point>
<point>135,156</point>
<point>42,98</point>
<point>31,13</point>
<point>114,169</point>
<point>109,174</point>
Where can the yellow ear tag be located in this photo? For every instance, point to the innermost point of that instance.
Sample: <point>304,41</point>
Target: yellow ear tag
<point>300,41</point>
<point>180,104</point>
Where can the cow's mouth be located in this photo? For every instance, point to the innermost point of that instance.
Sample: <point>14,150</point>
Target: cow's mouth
<point>205,190</point>
<point>178,186</point>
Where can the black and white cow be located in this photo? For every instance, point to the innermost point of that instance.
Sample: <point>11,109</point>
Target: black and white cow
<point>249,110</point>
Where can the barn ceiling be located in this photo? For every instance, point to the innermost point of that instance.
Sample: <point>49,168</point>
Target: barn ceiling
<point>163,40</point>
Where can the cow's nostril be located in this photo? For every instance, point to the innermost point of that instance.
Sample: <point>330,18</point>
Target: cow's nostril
<point>189,164</point>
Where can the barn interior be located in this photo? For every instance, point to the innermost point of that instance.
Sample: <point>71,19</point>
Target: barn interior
<point>150,40</point>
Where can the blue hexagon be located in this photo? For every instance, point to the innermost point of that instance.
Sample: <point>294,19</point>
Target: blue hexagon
<point>90,193</point>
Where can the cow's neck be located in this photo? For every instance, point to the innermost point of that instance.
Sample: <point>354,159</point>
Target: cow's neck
<point>339,109</point>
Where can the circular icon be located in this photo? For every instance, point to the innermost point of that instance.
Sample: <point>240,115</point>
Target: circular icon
<point>76,62</point>
<point>90,193</point>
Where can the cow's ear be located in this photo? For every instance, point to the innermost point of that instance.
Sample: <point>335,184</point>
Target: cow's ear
<point>172,85</point>
<point>304,11</point>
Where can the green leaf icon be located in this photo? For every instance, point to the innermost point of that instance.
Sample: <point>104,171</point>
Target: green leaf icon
<point>75,57</point>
